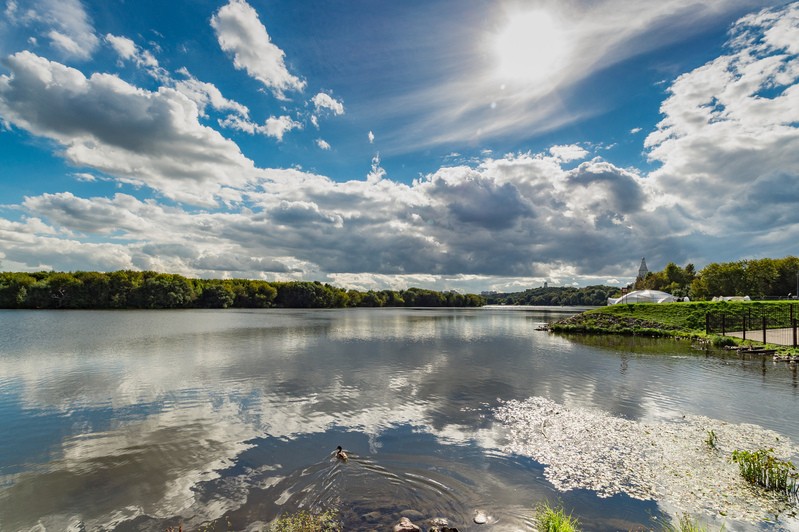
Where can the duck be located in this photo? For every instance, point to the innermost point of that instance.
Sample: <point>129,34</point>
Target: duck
<point>340,454</point>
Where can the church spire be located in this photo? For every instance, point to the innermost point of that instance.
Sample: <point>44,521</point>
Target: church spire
<point>642,270</point>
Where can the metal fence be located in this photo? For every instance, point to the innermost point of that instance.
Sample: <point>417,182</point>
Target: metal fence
<point>773,324</point>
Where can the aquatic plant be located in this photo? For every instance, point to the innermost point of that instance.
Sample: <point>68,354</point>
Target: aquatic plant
<point>549,519</point>
<point>763,469</point>
<point>686,524</point>
<point>712,439</point>
<point>307,522</point>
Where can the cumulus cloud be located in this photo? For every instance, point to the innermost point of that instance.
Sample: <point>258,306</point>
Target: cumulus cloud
<point>240,33</point>
<point>137,136</point>
<point>205,94</point>
<point>512,218</point>
<point>275,126</point>
<point>568,153</point>
<point>278,126</point>
<point>729,136</point>
<point>324,101</point>
<point>323,144</point>
<point>371,137</point>
<point>130,51</point>
<point>64,23</point>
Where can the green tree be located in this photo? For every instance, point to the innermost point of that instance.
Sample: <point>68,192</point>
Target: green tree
<point>215,295</point>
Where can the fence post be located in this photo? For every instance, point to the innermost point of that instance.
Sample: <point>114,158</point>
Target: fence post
<point>764,328</point>
<point>794,332</point>
<point>723,325</point>
<point>743,322</point>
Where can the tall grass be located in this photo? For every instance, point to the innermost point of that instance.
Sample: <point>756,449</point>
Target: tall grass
<point>549,519</point>
<point>763,469</point>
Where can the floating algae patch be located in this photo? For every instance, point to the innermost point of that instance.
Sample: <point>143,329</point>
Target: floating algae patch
<point>670,462</point>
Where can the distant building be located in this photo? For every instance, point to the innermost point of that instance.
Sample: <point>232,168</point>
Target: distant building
<point>546,284</point>
<point>642,270</point>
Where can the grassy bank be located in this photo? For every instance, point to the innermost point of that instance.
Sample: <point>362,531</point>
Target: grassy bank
<point>650,319</point>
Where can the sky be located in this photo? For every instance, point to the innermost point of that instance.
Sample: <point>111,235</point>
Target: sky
<point>454,145</point>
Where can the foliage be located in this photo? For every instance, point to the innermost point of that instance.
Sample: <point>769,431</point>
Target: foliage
<point>722,341</point>
<point>757,278</point>
<point>592,296</point>
<point>763,469</point>
<point>549,519</point>
<point>307,522</point>
<point>673,279</point>
<point>128,289</point>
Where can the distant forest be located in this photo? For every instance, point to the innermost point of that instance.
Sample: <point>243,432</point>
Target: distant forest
<point>151,290</point>
<point>555,296</point>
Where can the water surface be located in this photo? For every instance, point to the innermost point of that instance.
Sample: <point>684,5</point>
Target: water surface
<point>141,420</point>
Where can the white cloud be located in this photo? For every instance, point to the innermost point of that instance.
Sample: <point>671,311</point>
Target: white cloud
<point>130,51</point>
<point>371,137</point>
<point>729,137</point>
<point>241,33</point>
<point>64,22</point>
<point>205,94</point>
<point>323,144</point>
<point>568,153</point>
<point>137,136</point>
<point>324,101</point>
<point>635,130</point>
<point>461,227</point>
<point>278,126</point>
<point>275,126</point>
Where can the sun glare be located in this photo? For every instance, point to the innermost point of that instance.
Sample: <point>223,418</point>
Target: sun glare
<point>532,47</point>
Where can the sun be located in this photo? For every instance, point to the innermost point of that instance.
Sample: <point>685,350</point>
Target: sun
<point>532,47</point>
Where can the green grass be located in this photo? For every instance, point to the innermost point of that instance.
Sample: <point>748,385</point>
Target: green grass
<point>549,519</point>
<point>307,522</point>
<point>651,319</point>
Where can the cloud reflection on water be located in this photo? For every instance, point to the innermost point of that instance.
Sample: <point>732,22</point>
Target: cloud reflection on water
<point>147,408</point>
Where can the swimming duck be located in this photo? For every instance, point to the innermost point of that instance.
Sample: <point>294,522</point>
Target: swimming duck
<point>340,454</point>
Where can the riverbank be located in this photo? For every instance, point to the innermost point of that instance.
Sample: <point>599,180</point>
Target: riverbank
<point>660,320</point>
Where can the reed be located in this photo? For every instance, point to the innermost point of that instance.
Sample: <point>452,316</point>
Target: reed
<point>549,519</point>
<point>763,469</point>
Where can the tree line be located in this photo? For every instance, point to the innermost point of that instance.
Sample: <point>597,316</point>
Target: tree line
<point>756,278</point>
<point>127,289</point>
<point>555,296</point>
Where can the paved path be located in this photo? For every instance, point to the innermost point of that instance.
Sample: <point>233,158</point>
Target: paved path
<point>773,336</point>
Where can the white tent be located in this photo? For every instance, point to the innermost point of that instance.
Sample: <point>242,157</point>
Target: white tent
<point>643,296</point>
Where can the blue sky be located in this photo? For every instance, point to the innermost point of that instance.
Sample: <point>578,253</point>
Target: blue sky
<point>481,145</point>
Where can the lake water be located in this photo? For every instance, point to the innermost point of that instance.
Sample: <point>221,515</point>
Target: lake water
<point>142,420</point>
